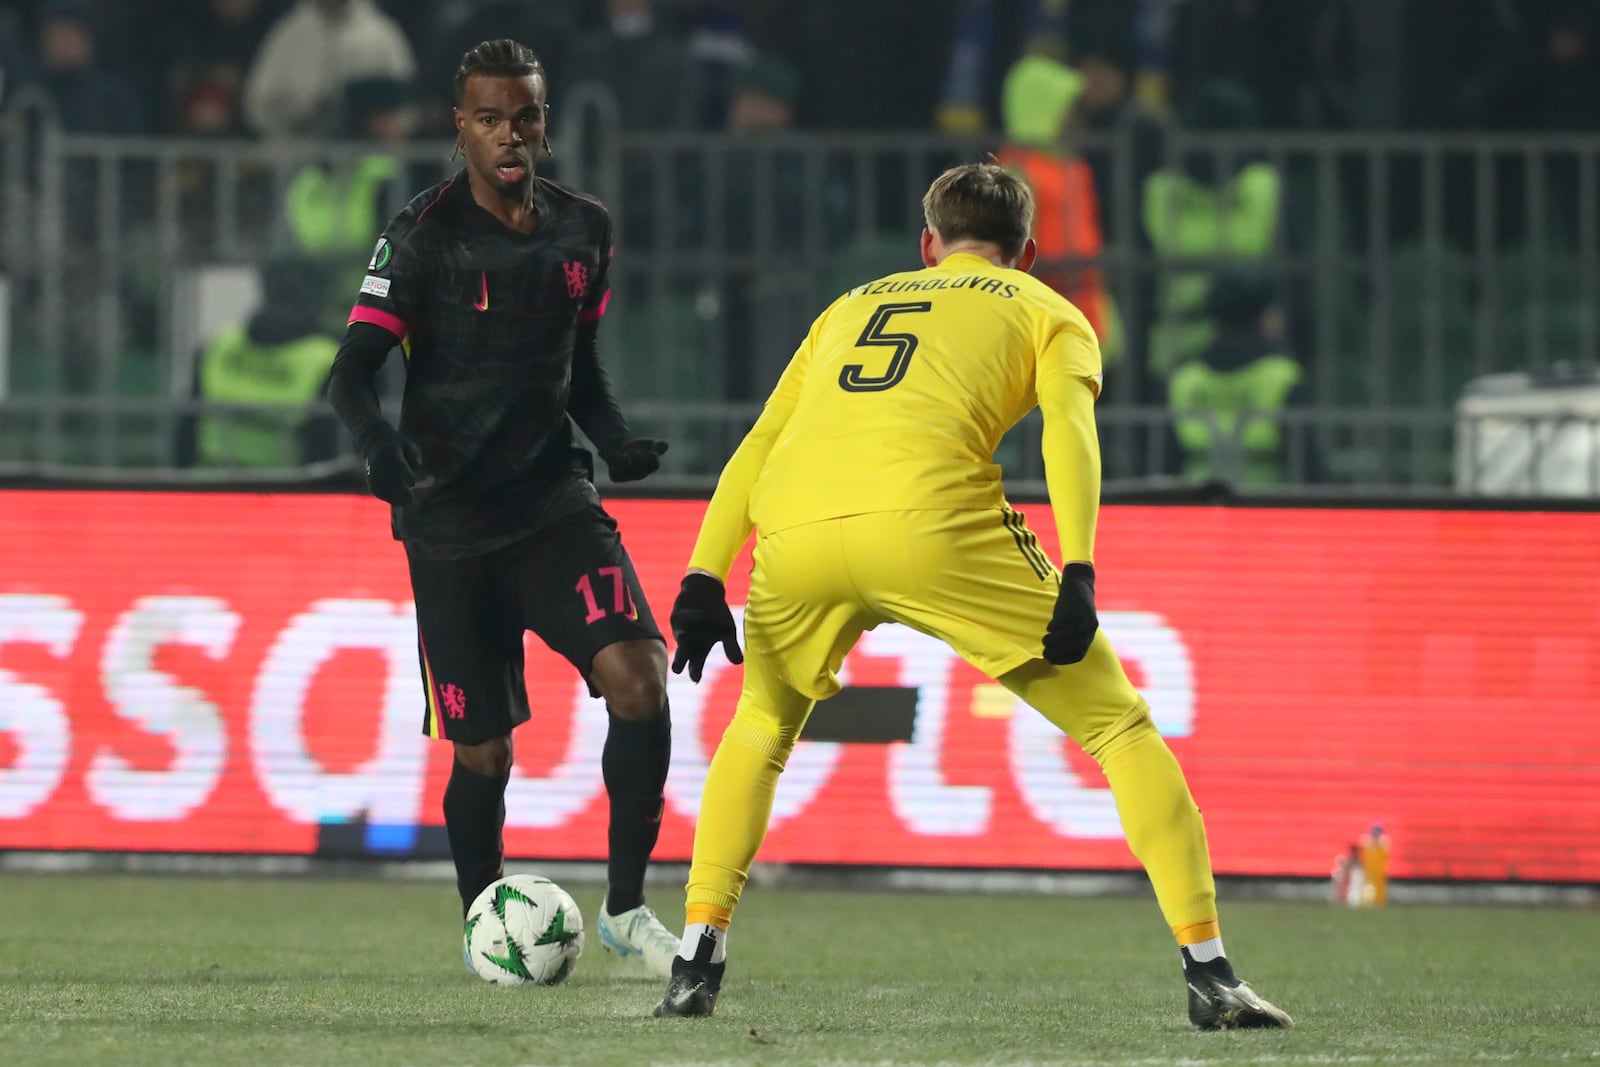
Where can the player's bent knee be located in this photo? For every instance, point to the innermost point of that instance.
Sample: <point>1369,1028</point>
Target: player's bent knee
<point>491,758</point>
<point>631,676</point>
<point>637,697</point>
<point>761,734</point>
<point>1129,727</point>
<point>638,702</point>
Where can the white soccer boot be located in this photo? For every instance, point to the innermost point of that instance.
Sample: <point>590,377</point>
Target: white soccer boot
<point>638,934</point>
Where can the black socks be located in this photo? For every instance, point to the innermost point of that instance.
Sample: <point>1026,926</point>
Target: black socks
<point>474,818</point>
<point>634,764</point>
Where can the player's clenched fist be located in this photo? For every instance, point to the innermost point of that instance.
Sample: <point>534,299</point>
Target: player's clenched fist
<point>700,620</point>
<point>635,458</point>
<point>392,463</point>
<point>1074,622</point>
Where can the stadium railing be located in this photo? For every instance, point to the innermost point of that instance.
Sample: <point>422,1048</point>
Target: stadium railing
<point>1413,269</point>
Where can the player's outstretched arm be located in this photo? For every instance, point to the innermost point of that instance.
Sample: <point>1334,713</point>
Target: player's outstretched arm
<point>1072,474</point>
<point>391,460</point>
<point>593,406</point>
<point>1071,447</point>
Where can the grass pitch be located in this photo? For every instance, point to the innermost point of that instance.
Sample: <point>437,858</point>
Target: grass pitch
<point>172,970</point>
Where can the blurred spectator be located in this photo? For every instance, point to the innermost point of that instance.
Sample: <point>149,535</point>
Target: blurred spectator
<point>13,73</point>
<point>646,67</point>
<point>1429,65</point>
<point>14,68</point>
<point>1413,64</point>
<point>777,199</point>
<point>311,54</point>
<point>765,92</point>
<point>1461,63</point>
<point>963,101</point>
<point>1559,84</point>
<point>1119,123</point>
<point>215,48</point>
<point>720,45</point>
<point>209,110</point>
<point>1218,203</point>
<point>89,97</point>
<point>765,214</point>
<point>274,364</point>
<point>1228,402</point>
<point>1122,143</point>
<point>1038,99</point>
<point>750,221</point>
<point>416,17</point>
<point>866,66</point>
<point>335,211</point>
<point>1563,78</point>
<point>1357,65</point>
<point>1152,53</point>
<point>1261,45</point>
<point>546,26</point>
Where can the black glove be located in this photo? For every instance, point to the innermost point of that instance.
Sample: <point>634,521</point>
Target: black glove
<point>392,463</point>
<point>635,458</point>
<point>1074,622</point>
<point>700,619</point>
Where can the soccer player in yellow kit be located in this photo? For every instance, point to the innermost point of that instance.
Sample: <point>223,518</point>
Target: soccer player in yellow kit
<point>870,479</point>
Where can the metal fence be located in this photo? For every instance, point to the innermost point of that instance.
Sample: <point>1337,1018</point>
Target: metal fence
<point>1408,268</point>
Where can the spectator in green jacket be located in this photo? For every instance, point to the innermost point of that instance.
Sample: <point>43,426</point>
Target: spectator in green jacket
<point>266,375</point>
<point>1229,402</point>
<point>1216,204</point>
<point>333,213</point>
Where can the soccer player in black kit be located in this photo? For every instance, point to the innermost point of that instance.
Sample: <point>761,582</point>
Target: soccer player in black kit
<point>494,282</point>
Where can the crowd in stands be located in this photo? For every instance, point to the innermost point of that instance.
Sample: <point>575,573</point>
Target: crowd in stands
<point>1047,83</point>
<point>278,67</point>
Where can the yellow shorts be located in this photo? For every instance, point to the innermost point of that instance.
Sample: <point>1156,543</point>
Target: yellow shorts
<point>976,580</point>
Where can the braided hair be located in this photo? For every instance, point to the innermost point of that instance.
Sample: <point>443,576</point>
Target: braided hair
<point>504,58</point>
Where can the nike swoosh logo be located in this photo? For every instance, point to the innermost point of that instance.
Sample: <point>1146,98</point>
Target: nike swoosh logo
<point>483,302</point>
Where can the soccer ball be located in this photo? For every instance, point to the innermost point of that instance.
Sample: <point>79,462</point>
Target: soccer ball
<point>523,930</point>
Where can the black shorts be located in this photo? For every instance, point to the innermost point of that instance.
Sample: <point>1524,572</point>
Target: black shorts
<point>572,584</point>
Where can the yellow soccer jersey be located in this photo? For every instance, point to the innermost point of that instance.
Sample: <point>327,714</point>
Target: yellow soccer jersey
<point>898,397</point>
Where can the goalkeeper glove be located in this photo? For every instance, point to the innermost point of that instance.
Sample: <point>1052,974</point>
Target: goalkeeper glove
<point>1074,622</point>
<point>392,462</point>
<point>700,619</point>
<point>635,458</point>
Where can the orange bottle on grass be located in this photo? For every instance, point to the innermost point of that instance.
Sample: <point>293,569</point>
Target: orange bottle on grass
<point>1375,867</point>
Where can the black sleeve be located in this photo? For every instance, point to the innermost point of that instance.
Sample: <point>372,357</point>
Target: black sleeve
<point>592,404</point>
<point>352,381</point>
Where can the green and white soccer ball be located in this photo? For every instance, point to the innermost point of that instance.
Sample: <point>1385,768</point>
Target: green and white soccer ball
<point>523,930</point>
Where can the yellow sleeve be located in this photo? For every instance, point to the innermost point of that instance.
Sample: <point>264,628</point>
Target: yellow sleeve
<point>1068,383</point>
<point>727,524</point>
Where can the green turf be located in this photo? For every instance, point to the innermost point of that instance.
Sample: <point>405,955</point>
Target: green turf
<point>192,971</point>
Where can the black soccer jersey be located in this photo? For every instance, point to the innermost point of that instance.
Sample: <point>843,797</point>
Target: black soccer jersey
<point>487,317</point>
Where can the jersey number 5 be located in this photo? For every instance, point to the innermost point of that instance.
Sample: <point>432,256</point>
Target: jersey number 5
<point>873,336</point>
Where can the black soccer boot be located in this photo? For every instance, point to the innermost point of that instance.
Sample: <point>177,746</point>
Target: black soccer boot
<point>692,990</point>
<point>1220,1001</point>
